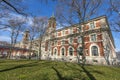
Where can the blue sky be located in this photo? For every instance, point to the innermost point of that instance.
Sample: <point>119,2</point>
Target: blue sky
<point>47,9</point>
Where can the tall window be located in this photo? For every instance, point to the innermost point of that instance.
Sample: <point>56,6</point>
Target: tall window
<point>79,28</point>
<point>63,42</point>
<point>55,52</point>
<point>71,31</point>
<point>55,34</point>
<point>79,39</point>
<point>63,51</point>
<point>55,43</point>
<point>94,51</point>
<point>63,32</point>
<point>71,40</point>
<point>92,26</point>
<point>71,51</point>
<point>93,37</point>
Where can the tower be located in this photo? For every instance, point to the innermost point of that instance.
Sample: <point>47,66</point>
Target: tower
<point>25,37</point>
<point>51,24</point>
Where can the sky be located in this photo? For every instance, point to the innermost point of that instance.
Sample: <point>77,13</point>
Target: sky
<point>35,8</point>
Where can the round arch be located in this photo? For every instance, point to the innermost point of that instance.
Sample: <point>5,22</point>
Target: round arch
<point>55,51</point>
<point>62,51</point>
<point>95,46</point>
<point>71,51</point>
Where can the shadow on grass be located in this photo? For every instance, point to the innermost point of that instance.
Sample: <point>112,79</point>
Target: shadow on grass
<point>88,73</point>
<point>20,66</point>
<point>91,77</point>
<point>59,75</point>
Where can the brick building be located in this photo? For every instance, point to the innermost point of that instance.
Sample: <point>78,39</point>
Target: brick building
<point>66,43</point>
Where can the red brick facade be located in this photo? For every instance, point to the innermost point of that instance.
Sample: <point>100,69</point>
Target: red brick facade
<point>68,41</point>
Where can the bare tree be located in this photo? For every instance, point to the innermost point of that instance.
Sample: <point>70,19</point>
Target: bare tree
<point>41,28</point>
<point>37,31</point>
<point>78,11</point>
<point>13,5</point>
<point>14,27</point>
<point>114,9</point>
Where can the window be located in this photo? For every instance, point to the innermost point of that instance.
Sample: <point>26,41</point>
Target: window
<point>71,31</point>
<point>63,51</point>
<point>79,28</point>
<point>93,37</point>
<point>63,42</point>
<point>55,43</point>
<point>79,39</point>
<point>92,26</point>
<point>70,51</point>
<point>71,40</point>
<point>55,51</point>
<point>63,32</point>
<point>94,50</point>
<point>55,34</point>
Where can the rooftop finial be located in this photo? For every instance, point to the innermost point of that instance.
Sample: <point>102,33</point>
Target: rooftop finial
<point>53,14</point>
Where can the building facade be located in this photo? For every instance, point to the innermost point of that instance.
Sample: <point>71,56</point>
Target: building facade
<point>65,44</point>
<point>16,52</point>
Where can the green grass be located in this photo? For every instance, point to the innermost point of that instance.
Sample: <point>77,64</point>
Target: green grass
<point>50,70</point>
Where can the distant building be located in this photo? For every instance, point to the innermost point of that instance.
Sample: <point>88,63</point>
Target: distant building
<point>65,44</point>
<point>6,48</point>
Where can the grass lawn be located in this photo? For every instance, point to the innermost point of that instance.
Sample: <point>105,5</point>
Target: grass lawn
<point>50,70</point>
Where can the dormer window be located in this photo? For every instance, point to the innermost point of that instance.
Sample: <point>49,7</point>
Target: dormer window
<point>92,26</point>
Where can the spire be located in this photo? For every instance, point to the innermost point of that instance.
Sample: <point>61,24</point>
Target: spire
<point>53,15</point>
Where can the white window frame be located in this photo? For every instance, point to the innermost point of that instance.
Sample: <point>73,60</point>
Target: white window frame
<point>71,30</point>
<point>91,37</point>
<point>56,51</point>
<point>93,25</point>
<point>69,51</point>
<point>55,42</point>
<point>91,50</point>
<point>63,42</point>
<point>63,32</point>
<point>80,40</point>
<point>70,40</point>
<point>61,51</point>
<point>78,29</point>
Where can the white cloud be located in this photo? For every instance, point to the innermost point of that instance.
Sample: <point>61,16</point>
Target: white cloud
<point>5,38</point>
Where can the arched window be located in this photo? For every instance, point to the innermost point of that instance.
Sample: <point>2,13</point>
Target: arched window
<point>71,51</point>
<point>63,51</point>
<point>94,51</point>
